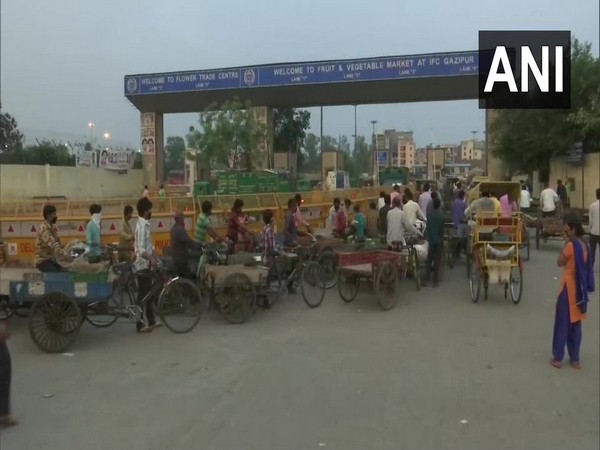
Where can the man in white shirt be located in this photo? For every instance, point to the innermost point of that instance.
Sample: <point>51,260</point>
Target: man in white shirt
<point>398,225</point>
<point>548,199</point>
<point>595,226</point>
<point>412,209</point>
<point>145,263</point>
<point>524,199</point>
<point>333,212</point>
<point>425,198</point>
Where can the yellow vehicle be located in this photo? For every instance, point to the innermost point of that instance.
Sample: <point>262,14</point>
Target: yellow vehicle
<point>495,257</point>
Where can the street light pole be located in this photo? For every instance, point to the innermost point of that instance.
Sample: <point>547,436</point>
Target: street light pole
<point>91,126</point>
<point>354,129</point>
<point>374,156</point>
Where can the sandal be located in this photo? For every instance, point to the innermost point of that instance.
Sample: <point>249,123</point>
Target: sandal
<point>555,363</point>
<point>576,365</point>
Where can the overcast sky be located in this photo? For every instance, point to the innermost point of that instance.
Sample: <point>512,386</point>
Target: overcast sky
<point>63,61</point>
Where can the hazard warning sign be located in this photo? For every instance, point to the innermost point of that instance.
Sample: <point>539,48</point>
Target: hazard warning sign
<point>11,229</point>
<point>162,225</point>
<point>29,229</point>
<point>112,227</point>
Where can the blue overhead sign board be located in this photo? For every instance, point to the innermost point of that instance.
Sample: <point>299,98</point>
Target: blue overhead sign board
<point>372,69</point>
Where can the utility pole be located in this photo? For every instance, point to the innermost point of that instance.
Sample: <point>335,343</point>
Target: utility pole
<point>374,156</point>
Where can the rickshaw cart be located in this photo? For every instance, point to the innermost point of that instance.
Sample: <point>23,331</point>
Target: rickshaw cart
<point>496,258</point>
<point>498,189</point>
<point>382,269</point>
<point>548,228</point>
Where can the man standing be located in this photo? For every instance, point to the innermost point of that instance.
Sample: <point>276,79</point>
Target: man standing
<point>459,221</point>
<point>333,212</point>
<point>290,231</point>
<point>372,218</point>
<point>524,198</point>
<point>561,191</point>
<point>6,419</point>
<point>425,198</point>
<point>92,234</point>
<point>146,192</point>
<point>180,245</point>
<point>398,225</point>
<point>300,222</point>
<point>548,199</point>
<point>126,236</point>
<point>204,226</point>
<point>383,213</point>
<point>435,239</point>
<point>412,209</point>
<point>381,200</point>
<point>48,247</point>
<point>595,226</point>
<point>395,193</point>
<point>145,263</point>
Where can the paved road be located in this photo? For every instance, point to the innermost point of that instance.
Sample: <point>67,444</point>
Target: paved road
<point>339,377</point>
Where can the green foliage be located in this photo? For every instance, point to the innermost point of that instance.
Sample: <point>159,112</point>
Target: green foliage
<point>230,136</point>
<point>11,139</point>
<point>44,153</point>
<point>174,153</point>
<point>526,139</point>
<point>290,127</point>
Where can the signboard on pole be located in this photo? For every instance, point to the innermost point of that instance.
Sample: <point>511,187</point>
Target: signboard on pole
<point>148,127</point>
<point>382,159</point>
<point>575,154</point>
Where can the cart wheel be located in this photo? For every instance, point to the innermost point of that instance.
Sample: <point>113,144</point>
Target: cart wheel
<point>387,287</point>
<point>537,237</point>
<point>181,305</point>
<point>329,267</point>
<point>475,286</point>
<point>516,284</point>
<point>348,286</point>
<point>238,298</point>
<point>313,284</point>
<point>54,323</point>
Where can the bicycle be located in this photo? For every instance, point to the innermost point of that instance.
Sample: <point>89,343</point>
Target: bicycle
<point>307,273</point>
<point>412,263</point>
<point>180,304</point>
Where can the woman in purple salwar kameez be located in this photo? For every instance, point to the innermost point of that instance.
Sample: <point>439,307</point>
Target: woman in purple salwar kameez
<point>571,307</point>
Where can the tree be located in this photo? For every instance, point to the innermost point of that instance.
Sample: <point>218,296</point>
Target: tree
<point>311,152</point>
<point>290,127</point>
<point>525,140</point>
<point>11,139</point>
<point>44,153</point>
<point>230,136</point>
<point>174,153</point>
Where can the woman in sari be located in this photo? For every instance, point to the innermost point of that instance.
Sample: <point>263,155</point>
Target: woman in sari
<point>571,307</point>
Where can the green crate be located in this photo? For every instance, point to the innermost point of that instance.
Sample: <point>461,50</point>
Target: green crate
<point>90,277</point>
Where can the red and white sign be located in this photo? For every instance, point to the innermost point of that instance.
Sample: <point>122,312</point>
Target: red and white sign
<point>160,225</point>
<point>10,229</point>
<point>29,229</point>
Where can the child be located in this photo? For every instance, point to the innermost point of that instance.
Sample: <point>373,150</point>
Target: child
<point>268,238</point>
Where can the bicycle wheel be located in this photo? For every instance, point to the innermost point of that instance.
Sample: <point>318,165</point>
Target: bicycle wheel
<point>475,285</point>
<point>313,284</point>
<point>238,298</point>
<point>180,305</point>
<point>347,286</point>
<point>516,284</point>
<point>55,322</point>
<point>328,264</point>
<point>5,310</point>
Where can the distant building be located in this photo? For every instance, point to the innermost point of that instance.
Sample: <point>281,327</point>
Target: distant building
<point>396,149</point>
<point>472,150</point>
